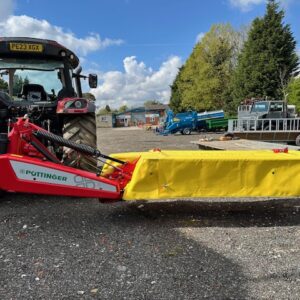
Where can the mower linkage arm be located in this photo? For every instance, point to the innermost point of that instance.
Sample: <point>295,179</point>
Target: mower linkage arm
<point>85,149</point>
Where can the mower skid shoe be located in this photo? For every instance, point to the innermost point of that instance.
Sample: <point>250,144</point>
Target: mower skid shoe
<point>30,175</point>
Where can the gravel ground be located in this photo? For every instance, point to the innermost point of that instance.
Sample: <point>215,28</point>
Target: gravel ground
<point>65,248</point>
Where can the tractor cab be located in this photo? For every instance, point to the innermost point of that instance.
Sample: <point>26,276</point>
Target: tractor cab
<point>263,109</point>
<point>42,79</point>
<point>269,109</point>
<point>39,70</point>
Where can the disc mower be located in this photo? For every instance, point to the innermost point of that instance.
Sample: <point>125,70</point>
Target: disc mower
<point>27,165</point>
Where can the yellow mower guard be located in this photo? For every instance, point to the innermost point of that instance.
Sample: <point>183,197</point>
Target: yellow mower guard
<point>195,174</point>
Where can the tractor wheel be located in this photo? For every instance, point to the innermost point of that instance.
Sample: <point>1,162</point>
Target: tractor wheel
<point>187,131</point>
<point>82,130</point>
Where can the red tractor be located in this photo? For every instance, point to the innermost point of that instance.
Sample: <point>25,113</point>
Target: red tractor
<point>38,80</point>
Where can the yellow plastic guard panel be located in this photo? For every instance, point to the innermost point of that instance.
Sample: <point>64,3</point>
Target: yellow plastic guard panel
<point>184,174</point>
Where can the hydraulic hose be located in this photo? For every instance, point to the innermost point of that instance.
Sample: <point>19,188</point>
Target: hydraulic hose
<point>82,148</point>
<point>62,142</point>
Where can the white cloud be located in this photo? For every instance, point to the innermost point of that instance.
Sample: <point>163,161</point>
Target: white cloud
<point>18,26</point>
<point>200,37</point>
<point>245,5</point>
<point>137,83</point>
<point>6,8</point>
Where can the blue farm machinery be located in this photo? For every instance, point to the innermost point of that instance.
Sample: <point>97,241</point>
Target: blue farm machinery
<point>190,121</point>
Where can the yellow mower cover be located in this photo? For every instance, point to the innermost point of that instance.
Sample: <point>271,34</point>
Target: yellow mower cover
<point>195,174</point>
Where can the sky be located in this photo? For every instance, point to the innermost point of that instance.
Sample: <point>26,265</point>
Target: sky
<point>135,46</point>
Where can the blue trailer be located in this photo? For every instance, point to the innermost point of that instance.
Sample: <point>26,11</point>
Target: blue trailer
<point>190,121</point>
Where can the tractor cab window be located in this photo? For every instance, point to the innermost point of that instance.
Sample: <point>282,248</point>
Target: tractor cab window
<point>274,106</point>
<point>36,85</point>
<point>33,80</point>
<point>260,107</point>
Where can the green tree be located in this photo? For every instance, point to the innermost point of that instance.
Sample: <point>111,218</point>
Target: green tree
<point>17,85</point>
<point>203,82</point>
<point>3,85</point>
<point>26,80</point>
<point>176,97</point>
<point>123,108</point>
<point>89,96</point>
<point>151,102</point>
<point>293,92</point>
<point>104,110</point>
<point>268,59</point>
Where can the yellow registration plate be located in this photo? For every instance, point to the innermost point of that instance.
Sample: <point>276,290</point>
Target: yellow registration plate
<point>24,47</point>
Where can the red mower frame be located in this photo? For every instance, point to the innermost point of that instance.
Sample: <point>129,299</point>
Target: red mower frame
<point>27,166</point>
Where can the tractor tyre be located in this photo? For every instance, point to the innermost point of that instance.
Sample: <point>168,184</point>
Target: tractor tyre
<point>187,131</point>
<point>80,129</point>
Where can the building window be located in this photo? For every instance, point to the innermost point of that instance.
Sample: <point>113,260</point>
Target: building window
<point>103,119</point>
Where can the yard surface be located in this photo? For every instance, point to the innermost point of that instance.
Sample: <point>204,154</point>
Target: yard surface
<point>64,248</point>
